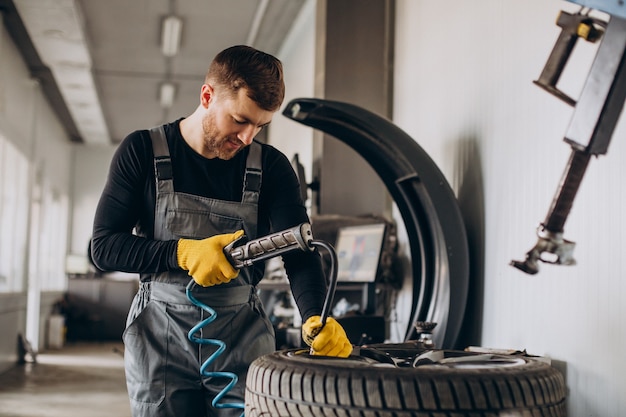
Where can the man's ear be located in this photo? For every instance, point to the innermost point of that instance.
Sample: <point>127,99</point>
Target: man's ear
<point>206,95</point>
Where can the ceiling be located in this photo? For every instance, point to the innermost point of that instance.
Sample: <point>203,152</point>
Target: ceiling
<point>100,62</point>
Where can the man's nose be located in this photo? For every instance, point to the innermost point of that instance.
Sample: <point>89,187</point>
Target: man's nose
<point>247,134</point>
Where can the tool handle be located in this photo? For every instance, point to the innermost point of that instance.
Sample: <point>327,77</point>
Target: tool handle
<point>298,237</point>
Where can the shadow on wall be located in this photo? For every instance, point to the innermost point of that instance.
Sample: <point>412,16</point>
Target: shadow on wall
<point>468,177</point>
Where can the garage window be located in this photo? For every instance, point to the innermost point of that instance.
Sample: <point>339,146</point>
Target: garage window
<point>13,217</point>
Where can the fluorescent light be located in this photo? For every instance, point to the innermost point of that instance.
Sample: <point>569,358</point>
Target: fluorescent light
<point>167,92</point>
<point>170,35</point>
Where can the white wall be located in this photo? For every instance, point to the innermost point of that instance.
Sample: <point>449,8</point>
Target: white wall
<point>464,72</point>
<point>298,57</point>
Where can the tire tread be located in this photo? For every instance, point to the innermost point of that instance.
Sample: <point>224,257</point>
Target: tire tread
<point>277,386</point>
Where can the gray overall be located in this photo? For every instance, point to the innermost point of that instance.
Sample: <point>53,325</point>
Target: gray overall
<point>162,365</point>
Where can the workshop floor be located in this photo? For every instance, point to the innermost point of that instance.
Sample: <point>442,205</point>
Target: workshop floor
<point>81,379</point>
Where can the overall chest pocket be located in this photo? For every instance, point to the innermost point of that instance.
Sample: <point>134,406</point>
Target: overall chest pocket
<point>192,223</point>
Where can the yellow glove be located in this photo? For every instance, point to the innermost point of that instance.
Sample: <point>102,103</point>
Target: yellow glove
<point>330,340</point>
<point>205,259</point>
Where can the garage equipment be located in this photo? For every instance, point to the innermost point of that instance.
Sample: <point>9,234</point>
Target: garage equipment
<point>430,212</point>
<point>296,238</point>
<point>595,116</point>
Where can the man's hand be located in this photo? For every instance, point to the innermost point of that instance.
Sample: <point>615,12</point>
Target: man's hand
<point>205,259</point>
<point>330,340</point>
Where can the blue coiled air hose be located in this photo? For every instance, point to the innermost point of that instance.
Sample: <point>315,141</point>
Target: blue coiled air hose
<point>221,347</point>
<point>297,238</point>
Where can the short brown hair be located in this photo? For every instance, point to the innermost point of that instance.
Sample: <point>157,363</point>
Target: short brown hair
<point>260,73</point>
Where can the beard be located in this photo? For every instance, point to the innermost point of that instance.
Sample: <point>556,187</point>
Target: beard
<point>223,147</point>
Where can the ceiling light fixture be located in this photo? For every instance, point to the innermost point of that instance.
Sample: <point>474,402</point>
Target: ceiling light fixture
<point>170,35</point>
<point>167,92</point>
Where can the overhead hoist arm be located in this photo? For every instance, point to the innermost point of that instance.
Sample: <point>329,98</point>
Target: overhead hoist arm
<point>592,124</point>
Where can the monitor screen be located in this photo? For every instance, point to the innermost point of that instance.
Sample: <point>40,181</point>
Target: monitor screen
<point>358,252</point>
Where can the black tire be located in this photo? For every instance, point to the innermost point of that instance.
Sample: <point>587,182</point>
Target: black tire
<point>288,383</point>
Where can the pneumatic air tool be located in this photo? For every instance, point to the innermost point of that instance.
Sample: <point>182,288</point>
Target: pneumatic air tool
<point>296,238</point>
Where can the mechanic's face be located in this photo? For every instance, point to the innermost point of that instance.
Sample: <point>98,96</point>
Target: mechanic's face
<point>231,122</point>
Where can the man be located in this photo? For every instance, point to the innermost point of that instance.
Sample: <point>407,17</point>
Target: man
<point>187,189</point>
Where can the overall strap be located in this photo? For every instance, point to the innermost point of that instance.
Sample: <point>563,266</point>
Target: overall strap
<point>164,180</point>
<point>253,175</point>
<point>162,160</point>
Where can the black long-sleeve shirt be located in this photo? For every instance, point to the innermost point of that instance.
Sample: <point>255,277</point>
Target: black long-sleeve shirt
<point>128,200</point>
